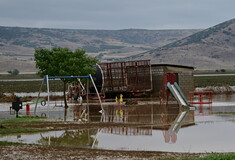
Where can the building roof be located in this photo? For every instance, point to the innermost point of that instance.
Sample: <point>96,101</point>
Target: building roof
<point>173,65</point>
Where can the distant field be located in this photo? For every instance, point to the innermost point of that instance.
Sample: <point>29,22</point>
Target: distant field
<point>20,76</point>
<point>204,81</point>
<point>225,80</point>
<point>57,85</point>
<point>27,86</point>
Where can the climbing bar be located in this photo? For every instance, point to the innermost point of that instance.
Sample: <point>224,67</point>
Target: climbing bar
<point>64,77</point>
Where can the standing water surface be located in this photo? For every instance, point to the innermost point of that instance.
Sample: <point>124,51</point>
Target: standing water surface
<point>161,128</point>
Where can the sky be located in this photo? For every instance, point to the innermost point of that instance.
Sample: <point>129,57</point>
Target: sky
<point>116,14</point>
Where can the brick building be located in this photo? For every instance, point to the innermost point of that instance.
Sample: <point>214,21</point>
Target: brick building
<point>183,75</point>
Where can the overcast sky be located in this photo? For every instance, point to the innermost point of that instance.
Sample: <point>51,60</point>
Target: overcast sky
<point>116,14</point>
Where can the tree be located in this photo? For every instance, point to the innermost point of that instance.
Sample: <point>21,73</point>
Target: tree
<point>64,62</point>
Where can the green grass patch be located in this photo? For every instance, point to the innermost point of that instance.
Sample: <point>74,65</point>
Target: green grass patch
<point>5,143</point>
<point>22,119</point>
<point>29,86</point>
<point>217,157</point>
<point>220,156</point>
<point>9,126</point>
<point>17,129</point>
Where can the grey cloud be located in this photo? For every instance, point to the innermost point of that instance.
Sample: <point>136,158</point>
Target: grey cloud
<point>116,14</point>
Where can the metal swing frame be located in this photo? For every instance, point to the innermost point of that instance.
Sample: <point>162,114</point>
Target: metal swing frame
<point>47,78</point>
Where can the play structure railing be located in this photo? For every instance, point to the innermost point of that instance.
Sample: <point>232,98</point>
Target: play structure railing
<point>201,97</point>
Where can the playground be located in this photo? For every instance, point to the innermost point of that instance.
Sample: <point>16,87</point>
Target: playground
<point>121,127</point>
<point>133,136</point>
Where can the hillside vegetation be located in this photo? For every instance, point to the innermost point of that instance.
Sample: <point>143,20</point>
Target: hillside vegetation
<point>212,48</point>
<point>208,49</point>
<point>17,44</point>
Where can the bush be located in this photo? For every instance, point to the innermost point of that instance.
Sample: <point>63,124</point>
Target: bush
<point>14,72</point>
<point>223,70</point>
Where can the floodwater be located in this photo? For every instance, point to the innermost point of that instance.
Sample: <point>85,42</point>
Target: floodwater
<point>170,128</point>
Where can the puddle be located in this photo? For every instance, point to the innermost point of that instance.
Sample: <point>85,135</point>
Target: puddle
<point>210,128</point>
<point>209,134</point>
<point>79,138</point>
<point>214,133</point>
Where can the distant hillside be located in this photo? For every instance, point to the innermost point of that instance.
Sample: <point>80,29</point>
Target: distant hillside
<point>211,48</point>
<point>17,44</point>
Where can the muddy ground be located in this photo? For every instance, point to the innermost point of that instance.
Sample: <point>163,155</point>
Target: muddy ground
<point>45,152</point>
<point>52,152</point>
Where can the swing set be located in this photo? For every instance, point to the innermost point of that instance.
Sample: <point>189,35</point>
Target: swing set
<point>89,78</point>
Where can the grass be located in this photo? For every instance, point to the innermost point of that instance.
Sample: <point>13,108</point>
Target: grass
<point>5,143</point>
<point>16,129</point>
<point>213,156</point>
<point>9,126</point>
<point>22,119</point>
<point>28,86</point>
<point>217,157</point>
<point>220,157</point>
<point>57,85</point>
<point>34,86</point>
<point>20,76</point>
<point>204,81</point>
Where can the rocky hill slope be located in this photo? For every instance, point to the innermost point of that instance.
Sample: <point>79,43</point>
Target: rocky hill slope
<point>208,49</point>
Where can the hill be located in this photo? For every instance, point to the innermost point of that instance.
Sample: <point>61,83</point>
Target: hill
<point>212,48</point>
<point>17,44</point>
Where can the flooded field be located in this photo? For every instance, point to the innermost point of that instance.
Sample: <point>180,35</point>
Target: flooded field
<point>153,127</point>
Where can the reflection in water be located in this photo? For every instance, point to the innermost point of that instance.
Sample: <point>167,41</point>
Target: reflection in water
<point>203,110</point>
<point>168,118</point>
<point>171,134</point>
<point>147,127</point>
<point>75,138</point>
<point>130,131</point>
<point>81,138</point>
<point>80,113</point>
